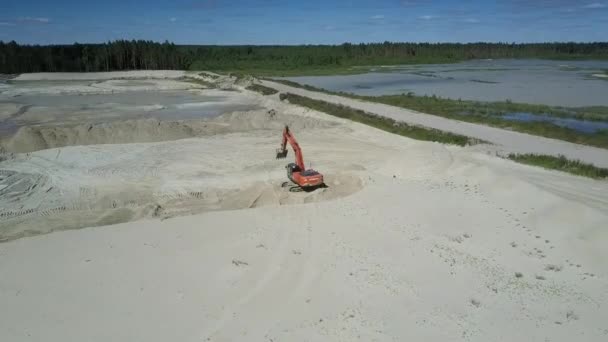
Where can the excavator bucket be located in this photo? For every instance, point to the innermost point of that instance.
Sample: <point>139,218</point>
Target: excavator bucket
<point>281,153</point>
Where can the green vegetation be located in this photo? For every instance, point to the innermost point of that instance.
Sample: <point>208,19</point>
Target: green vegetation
<point>385,124</point>
<point>262,89</point>
<point>490,113</point>
<point>206,74</point>
<point>270,60</point>
<point>484,81</point>
<point>561,163</point>
<point>199,82</point>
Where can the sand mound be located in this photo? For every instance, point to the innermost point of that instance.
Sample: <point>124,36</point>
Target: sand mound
<point>29,139</point>
<point>97,207</point>
<point>35,138</point>
<point>71,76</point>
<point>271,119</point>
<point>145,85</point>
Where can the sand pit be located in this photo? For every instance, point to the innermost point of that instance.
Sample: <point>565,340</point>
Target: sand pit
<point>35,138</point>
<point>110,182</point>
<point>192,237</point>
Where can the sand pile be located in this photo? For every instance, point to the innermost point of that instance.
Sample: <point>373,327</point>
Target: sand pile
<point>147,168</point>
<point>29,139</point>
<point>35,138</point>
<point>34,205</point>
<point>72,76</point>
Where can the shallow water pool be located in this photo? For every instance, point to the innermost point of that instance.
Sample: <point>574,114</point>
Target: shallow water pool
<point>583,126</point>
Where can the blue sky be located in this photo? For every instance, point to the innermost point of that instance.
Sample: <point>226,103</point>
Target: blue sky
<point>302,22</point>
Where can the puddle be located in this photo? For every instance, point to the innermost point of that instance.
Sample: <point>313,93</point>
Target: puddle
<point>582,126</point>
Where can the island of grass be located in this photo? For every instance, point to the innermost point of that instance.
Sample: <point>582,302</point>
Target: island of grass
<point>490,113</point>
<point>262,89</point>
<point>380,122</point>
<point>561,163</point>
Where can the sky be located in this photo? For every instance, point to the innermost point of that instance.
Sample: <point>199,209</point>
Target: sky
<point>282,22</point>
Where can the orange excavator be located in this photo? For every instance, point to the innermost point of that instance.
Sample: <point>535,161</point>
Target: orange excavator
<point>306,180</point>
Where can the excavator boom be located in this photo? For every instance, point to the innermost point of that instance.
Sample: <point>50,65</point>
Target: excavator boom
<point>282,152</point>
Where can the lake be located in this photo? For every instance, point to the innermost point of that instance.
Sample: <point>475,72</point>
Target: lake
<point>582,126</point>
<point>558,83</point>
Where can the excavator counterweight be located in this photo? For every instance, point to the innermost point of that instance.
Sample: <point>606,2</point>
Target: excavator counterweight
<point>297,172</point>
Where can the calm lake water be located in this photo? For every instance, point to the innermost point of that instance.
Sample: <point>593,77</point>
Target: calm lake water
<point>559,83</point>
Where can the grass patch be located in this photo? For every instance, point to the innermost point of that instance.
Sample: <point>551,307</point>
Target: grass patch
<point>198,81</point>
<point>262,89</point>
<point>483,81</point>
<point>490,113</point>
<point>206,74</point>
<point>561,163</point>
<point>385,124</point>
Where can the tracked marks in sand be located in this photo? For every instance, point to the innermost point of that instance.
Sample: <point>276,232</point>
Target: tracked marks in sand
<point>15,189</point>
<point>264,275</point>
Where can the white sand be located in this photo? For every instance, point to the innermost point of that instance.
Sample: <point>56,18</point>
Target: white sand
<point>411,241</point>
<point>71,76</point>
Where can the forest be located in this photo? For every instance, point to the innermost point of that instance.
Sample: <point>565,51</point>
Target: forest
<point>140,54</point>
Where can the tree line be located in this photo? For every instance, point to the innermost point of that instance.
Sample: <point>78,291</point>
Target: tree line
<point>149,55</point>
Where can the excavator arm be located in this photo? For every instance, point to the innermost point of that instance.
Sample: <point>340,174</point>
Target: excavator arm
<point>282,151</point>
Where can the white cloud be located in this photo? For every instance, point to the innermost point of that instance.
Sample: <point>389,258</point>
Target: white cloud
<point>173,19</point>
<point>328,28</point>
<point>35,20</point>
<point>471,21</point>
<point>595,5</point>
<point>3,23</point>
<point>378,16</point>
<point>427,17</point>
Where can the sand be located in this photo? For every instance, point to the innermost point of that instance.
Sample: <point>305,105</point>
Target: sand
<point>72,76</point>
<point>411,240</point>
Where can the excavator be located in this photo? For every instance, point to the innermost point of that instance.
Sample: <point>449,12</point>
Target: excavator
<point>306,180</point>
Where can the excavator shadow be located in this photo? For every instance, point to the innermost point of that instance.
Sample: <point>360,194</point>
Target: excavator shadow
<point>292,187</point>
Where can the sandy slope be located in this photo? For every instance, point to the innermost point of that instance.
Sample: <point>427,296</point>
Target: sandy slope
<point>430,255</point>
<point>505,141</point>
<point>411,241</point>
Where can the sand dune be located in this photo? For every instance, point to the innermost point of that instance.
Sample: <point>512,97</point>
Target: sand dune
<point>196,239</point>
